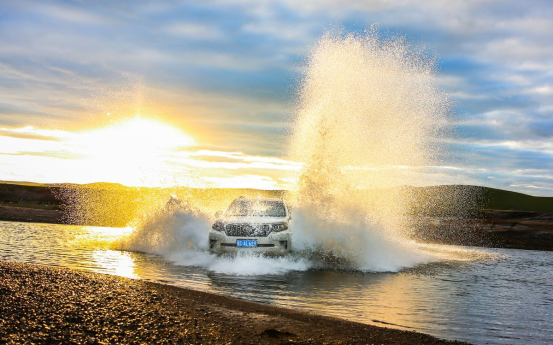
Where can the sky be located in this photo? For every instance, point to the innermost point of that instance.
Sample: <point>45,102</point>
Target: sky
<point>220,78</point>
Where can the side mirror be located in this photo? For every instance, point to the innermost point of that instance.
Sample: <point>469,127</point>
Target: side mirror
<point>218,214</point>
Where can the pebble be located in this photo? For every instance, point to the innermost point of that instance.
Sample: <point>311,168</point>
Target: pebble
<point>47,305</point>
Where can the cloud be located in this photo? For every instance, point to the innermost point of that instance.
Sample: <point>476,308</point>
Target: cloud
<point>194,31</point>
<point>29,132</point>
<point>228,70</point>
<point>64,156</point>
<point>68,13</point>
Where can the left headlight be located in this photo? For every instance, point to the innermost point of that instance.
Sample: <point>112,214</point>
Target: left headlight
<point>279,227</point>
<point>218,226</point>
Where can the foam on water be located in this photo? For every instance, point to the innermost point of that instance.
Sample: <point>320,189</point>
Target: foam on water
<point>179,233</point>
<point>353,243</point>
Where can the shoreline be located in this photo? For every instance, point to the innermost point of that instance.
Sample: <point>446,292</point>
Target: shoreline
<point>59,305</point>
<point>30,215</point>
<point>489,232</point>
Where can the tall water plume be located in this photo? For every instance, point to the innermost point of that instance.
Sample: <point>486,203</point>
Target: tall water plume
<point>369,111</point>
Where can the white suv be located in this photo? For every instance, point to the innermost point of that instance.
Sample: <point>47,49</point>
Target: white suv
<point>253,225</point>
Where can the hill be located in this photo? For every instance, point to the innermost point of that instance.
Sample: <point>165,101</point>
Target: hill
<point>437,200</point>
<point>450,214</point>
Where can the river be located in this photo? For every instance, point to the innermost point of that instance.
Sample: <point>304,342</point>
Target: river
<point>504,297</point>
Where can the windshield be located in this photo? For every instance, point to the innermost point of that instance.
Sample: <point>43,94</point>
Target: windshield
<point>256,208</point>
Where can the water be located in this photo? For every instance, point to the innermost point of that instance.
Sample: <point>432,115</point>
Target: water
<point>369,117</point>
<point>493,296</point>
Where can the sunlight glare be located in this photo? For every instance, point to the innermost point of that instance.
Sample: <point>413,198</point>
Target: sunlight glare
<point>136,134</point>
<point>132,151</point>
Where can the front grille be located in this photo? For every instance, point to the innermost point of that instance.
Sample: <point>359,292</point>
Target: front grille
<point>248,230</point>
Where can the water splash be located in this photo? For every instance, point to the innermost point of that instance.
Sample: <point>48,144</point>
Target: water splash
<point>174,227</point>
<point>368,113</point>
<point>178,231</point>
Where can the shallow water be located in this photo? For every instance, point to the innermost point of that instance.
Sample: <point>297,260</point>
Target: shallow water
<point>505,297</point>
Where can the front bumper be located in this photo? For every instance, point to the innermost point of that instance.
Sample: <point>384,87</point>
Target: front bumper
<point>277,243</point>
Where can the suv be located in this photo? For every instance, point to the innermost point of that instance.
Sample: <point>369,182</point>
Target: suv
<point>252,225</point>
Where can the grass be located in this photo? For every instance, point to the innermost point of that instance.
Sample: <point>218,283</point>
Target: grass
<point>498,199</point>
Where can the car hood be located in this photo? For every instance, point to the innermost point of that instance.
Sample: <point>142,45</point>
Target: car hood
<point>253,220</point>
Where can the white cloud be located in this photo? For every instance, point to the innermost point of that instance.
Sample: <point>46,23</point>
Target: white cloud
<point>296,32</point>
<point>194,31</point>
<point>546,89</point>
<point>538,146</point>
<point>47,134</point>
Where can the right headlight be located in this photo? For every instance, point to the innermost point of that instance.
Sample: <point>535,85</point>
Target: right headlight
<point>279,227</point>
<point>218,226</point>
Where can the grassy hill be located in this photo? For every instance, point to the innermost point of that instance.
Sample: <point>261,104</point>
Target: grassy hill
<point>470,199</point>
<point>498,199</point>
<point>115,204</point>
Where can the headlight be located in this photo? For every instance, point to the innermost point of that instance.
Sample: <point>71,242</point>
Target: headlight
<point>280,227</point>
<point>218,226</point>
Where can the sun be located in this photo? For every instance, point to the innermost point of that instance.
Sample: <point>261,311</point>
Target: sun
<point>132,152</point>
<point>137,134</point>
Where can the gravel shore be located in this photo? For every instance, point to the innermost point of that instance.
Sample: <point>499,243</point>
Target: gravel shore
<point>49,305</point>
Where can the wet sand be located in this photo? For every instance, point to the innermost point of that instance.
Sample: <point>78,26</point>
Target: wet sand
<point>57,305</point>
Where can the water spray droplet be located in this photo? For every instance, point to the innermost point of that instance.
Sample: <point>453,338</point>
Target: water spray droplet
<point>368,113</point>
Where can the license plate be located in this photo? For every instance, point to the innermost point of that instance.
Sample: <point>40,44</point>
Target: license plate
<point>246,243</point>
